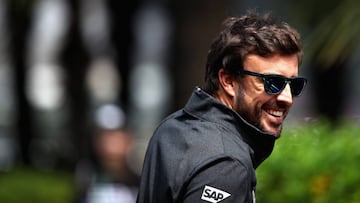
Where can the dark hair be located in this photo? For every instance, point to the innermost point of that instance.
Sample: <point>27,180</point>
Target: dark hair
<point>249,34</point>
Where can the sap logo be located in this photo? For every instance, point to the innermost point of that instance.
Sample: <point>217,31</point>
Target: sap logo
<point>213,195</point>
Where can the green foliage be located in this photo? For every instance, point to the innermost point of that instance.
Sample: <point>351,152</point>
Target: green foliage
<point>31,186</point>
<point>317,163</point>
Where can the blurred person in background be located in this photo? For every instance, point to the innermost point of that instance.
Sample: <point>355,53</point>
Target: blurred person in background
<point>108,178</point>
<point>209,150</point>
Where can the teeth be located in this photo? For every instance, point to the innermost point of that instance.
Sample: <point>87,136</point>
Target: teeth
<point>275,113</point>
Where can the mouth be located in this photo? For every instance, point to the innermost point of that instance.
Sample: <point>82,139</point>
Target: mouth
<point>275,117</point>
<point>276,113</point>
<point>272,122</point>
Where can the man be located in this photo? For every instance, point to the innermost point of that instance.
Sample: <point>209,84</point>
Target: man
<point>209,150</point>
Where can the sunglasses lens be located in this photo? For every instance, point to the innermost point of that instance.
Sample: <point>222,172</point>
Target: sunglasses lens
<point>273,84</point>
<point>297,85</point>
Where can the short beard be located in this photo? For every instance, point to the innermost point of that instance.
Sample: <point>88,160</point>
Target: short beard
<point>241,109</point>
<point>255,121</point>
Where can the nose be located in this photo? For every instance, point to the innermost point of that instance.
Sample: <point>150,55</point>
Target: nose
<point>285,95</point>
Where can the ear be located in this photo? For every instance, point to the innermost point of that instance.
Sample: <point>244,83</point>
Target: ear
<point>227,82</point>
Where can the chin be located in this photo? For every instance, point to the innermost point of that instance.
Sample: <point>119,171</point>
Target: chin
<point>275,131</point>
<point>277,135</point>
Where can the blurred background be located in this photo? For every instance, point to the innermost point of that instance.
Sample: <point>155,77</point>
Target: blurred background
<point>83,84</point>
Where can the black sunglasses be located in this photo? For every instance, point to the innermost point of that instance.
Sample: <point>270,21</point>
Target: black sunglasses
<point>275,84</point>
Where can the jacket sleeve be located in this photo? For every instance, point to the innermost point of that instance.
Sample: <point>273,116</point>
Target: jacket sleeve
<point>226,181</point>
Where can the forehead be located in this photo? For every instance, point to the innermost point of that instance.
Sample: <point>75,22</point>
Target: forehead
<point>286,65</point>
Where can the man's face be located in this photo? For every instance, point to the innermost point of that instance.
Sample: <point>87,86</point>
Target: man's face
<point>266,112</point>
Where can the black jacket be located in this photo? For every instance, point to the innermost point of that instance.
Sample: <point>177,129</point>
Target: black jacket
<point>203,153</point>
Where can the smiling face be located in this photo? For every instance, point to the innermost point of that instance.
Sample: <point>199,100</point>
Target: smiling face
<point>266,112</point>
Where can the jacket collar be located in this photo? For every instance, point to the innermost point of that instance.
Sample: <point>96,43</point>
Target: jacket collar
<point>208,108</point>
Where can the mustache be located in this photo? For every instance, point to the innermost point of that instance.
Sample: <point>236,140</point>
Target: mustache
<point>277,105</point>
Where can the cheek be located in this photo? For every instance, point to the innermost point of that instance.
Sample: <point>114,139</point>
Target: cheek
<point>253,94</point>
<point>245,103</point>
<point>250,96</point>
<point>249,103</point>
<point>252,87</point>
